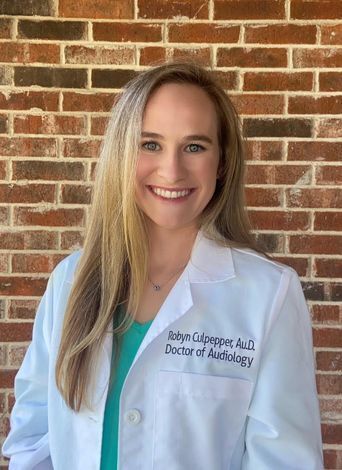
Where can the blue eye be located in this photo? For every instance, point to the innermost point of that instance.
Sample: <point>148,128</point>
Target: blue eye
<point>193,147</point>
<point>150,146</point>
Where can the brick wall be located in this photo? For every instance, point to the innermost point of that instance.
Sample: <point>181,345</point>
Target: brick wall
<point>61,63</point>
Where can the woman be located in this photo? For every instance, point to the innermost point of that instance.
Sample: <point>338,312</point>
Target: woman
<point>169,341</point>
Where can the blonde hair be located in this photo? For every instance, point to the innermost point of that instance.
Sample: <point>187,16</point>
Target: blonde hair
<point>113,265</point>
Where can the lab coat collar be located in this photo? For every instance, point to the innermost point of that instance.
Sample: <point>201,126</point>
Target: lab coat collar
<point>209,262</point>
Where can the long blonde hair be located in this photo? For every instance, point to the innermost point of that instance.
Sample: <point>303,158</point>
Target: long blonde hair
<point>113,265</point>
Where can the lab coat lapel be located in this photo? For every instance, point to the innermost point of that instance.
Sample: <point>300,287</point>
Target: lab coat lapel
<point>208,263</point>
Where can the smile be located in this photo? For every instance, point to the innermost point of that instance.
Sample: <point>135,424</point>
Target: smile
<point>170,194</point>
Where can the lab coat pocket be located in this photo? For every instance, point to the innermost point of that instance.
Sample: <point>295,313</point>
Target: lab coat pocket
<point>198,419</point>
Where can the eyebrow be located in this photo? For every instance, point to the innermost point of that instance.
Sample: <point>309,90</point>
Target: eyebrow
<point>202,137</point>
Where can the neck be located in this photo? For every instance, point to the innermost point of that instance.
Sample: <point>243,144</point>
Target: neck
<point>170,249</point>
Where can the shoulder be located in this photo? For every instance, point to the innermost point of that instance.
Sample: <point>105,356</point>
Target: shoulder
<point>252,264</point>
<point>64,271</point>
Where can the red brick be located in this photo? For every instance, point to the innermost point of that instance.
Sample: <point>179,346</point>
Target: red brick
<point>120,9</point>
<point>328,220</point>
<point>300,265</point>
<point>27,193</point>
<point>98,125</point>
<point>327,267</point>
<point>3,123</point>
<point>81,148</point>
<point>50,77</point>
<point>99,55</point>
<point>35,263</point>
<point>201,55</point>
<point>251,57</point>
<point>278,174</point>
<point>331,34</point>
<point>329,128</point>
<point>48,217</point>
<point>28,240</point>
<point>331,175</point>
<point>332,433</point>
<point>16,355</point>
<point>49,124</point>
<point>46,101</point>
<point>277,127</point>
<point>28,147</point>
<point>248,103</point>
<point>11,285</point>
<point>249,9</point>
<point>196,9</point>
<point>315,105</point>
<point>152,55</point>
<point>227,79</point>
<point>327,337</point>
<point>109,78</point>
<point>33,7</point>
<point>95,101</point>
<point>53,30</point>
<point>14,331</point>
<point>71,240</point>
<point>327,57</point>
<point>329,360</point>
<point>75,194</point>
<point>3,170</point>
<point>330,81</point>
<point>5,28</point>
<point>326,314</point>
<point>127,32</point>
<point>313,197</point>
<point>264,150</point>
<point>279,220</point>
<point>29,53</point>
<point>314,151</point>
<point>23,309</point>
<point>332,459</point>
<point>281,34</point>
<point>4,215</point>
<point>7,378</point>
<point>315,244</point>
<point>314,291</point>
<point>48,170</point>
<point>203,33</point>
<point>315,9</point>
<point>278,81</point>
<point>266,197</point>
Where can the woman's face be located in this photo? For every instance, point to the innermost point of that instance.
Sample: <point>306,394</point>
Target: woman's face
<point>178,157</point>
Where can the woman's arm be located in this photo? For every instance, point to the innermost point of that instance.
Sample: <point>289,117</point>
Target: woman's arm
<point>283,429</point>
<point>27,444</point>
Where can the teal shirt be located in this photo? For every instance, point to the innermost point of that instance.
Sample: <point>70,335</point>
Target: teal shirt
<point>129,345</point>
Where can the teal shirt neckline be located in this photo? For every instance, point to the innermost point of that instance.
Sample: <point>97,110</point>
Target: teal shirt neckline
<point>129,345</point>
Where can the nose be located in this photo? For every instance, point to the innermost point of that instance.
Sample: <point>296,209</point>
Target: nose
<point>171,166</point>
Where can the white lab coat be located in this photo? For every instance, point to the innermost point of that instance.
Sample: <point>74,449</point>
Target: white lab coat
<point>224,378</point>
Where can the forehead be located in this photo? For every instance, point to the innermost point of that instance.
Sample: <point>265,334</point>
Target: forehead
<point>176,106</point>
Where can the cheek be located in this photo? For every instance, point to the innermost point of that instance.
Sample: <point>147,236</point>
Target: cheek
<point>143,170</point>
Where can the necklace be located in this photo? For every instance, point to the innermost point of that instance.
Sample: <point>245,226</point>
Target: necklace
<point>157,287</point>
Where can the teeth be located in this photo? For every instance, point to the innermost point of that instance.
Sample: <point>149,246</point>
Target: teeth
<point>170,194</point>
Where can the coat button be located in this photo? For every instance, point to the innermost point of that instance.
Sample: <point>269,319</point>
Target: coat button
<point>133,416</point>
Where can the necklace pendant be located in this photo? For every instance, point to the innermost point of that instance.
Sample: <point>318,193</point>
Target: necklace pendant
<point>156,286</point>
